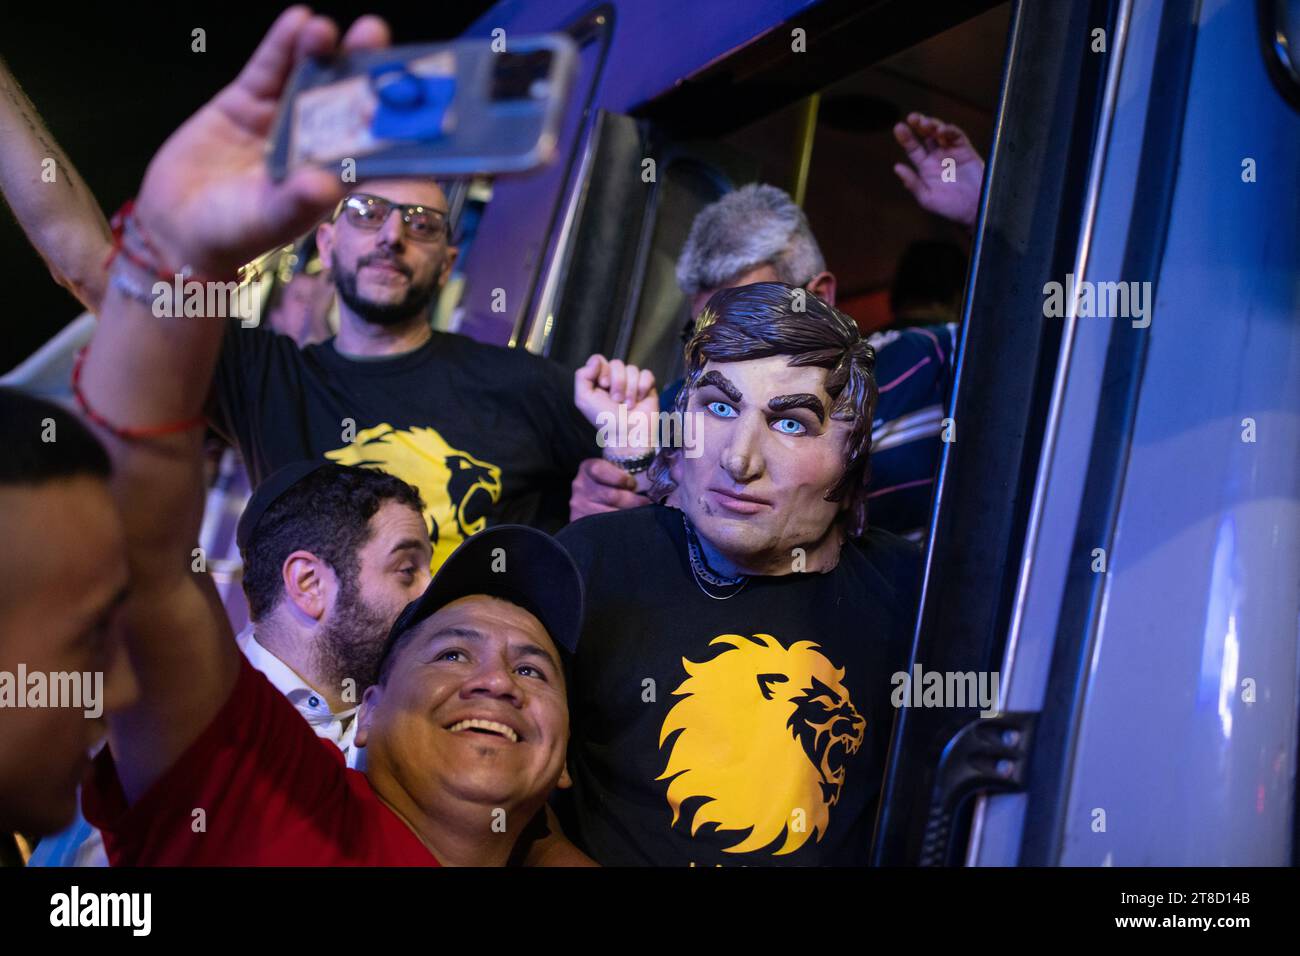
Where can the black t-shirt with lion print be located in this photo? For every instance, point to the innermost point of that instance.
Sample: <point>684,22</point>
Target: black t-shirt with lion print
<point>738,732</point>
<point>489,435</point>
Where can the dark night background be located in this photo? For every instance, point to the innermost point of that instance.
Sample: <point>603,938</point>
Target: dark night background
<point>112,81</point>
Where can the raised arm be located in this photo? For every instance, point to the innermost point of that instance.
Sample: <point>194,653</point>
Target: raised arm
<point>622,402</point>
<point>206,205</point>
<point>51,201</point>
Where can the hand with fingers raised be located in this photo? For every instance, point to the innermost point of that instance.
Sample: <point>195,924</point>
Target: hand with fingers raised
<point>621,400</point>
<point>207,199</point>
<point>928,141</point>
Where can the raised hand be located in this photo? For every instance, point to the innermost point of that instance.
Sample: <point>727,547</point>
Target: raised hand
<point>928,141</point>
<point>207,200</point>
<point>601,387</point>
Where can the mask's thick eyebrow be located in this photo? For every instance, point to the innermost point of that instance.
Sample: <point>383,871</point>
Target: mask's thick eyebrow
<point>721,383</point>
<point>783,403</point>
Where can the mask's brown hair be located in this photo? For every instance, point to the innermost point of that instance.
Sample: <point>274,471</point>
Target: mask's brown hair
<point>771,318</point>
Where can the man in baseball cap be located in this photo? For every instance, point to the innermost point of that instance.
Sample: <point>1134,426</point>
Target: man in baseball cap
<point>465,733</point>
<point>471,693</point>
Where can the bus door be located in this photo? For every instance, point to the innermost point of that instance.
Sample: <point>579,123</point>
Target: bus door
<point>1128,561</point>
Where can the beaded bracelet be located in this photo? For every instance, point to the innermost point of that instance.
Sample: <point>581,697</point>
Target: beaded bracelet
<point>127,234</point>
<point>632,464</point>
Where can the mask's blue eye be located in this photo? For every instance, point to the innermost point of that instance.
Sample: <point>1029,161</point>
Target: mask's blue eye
<point>722,409</point>
<point>788,426</point>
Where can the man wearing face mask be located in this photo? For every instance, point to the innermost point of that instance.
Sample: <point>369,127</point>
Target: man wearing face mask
<point>759,234</point>
<point>730,691</point>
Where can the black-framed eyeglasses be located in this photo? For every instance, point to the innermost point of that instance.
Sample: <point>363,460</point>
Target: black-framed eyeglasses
<point>423,223</point>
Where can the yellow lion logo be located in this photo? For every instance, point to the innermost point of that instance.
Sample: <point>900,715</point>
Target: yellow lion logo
<point>449,480</point>
<point>764,733</point>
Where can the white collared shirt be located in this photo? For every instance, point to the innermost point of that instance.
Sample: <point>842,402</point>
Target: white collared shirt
<point>340,728</point>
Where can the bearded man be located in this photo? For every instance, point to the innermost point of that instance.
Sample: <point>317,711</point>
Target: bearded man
<point>487,435</point>
<point>730,692</point>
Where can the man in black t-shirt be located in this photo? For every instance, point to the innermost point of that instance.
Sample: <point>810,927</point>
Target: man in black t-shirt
<point>730,692</point>
<point>488,435</point>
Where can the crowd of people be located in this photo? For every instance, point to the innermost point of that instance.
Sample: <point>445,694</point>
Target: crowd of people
<point>476,635</point>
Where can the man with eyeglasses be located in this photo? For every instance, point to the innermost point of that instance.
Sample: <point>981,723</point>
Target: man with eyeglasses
<point>487,434</point>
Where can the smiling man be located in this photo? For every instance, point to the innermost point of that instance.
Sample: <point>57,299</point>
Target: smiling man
<point>731,688</point>
<point>465,734</point>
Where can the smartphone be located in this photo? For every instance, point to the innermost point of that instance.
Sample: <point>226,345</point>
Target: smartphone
<point>461,108</point>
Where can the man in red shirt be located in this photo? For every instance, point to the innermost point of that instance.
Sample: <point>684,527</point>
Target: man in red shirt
<point>465,735</point>
<point>211,765</point>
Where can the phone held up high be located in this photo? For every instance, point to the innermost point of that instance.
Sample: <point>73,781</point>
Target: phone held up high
<point>444,109</point>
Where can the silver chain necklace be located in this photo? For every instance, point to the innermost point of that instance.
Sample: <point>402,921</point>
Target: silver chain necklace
<point>701,573</point>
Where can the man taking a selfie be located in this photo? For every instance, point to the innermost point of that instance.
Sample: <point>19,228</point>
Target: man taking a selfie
<point>466,728</point>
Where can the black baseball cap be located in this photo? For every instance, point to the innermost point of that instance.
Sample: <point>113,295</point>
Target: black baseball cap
<point>516,563</point>
<point>268,492</point>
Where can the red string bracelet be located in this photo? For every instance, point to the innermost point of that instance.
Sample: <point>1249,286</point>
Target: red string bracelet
<point>125,219</point>
<point>126,434</point>
<point>119,224</point>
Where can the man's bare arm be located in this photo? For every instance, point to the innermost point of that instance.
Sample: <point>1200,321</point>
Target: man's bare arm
<point>141,371</point>
<point>207,202</point>
<point>61,218</point>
